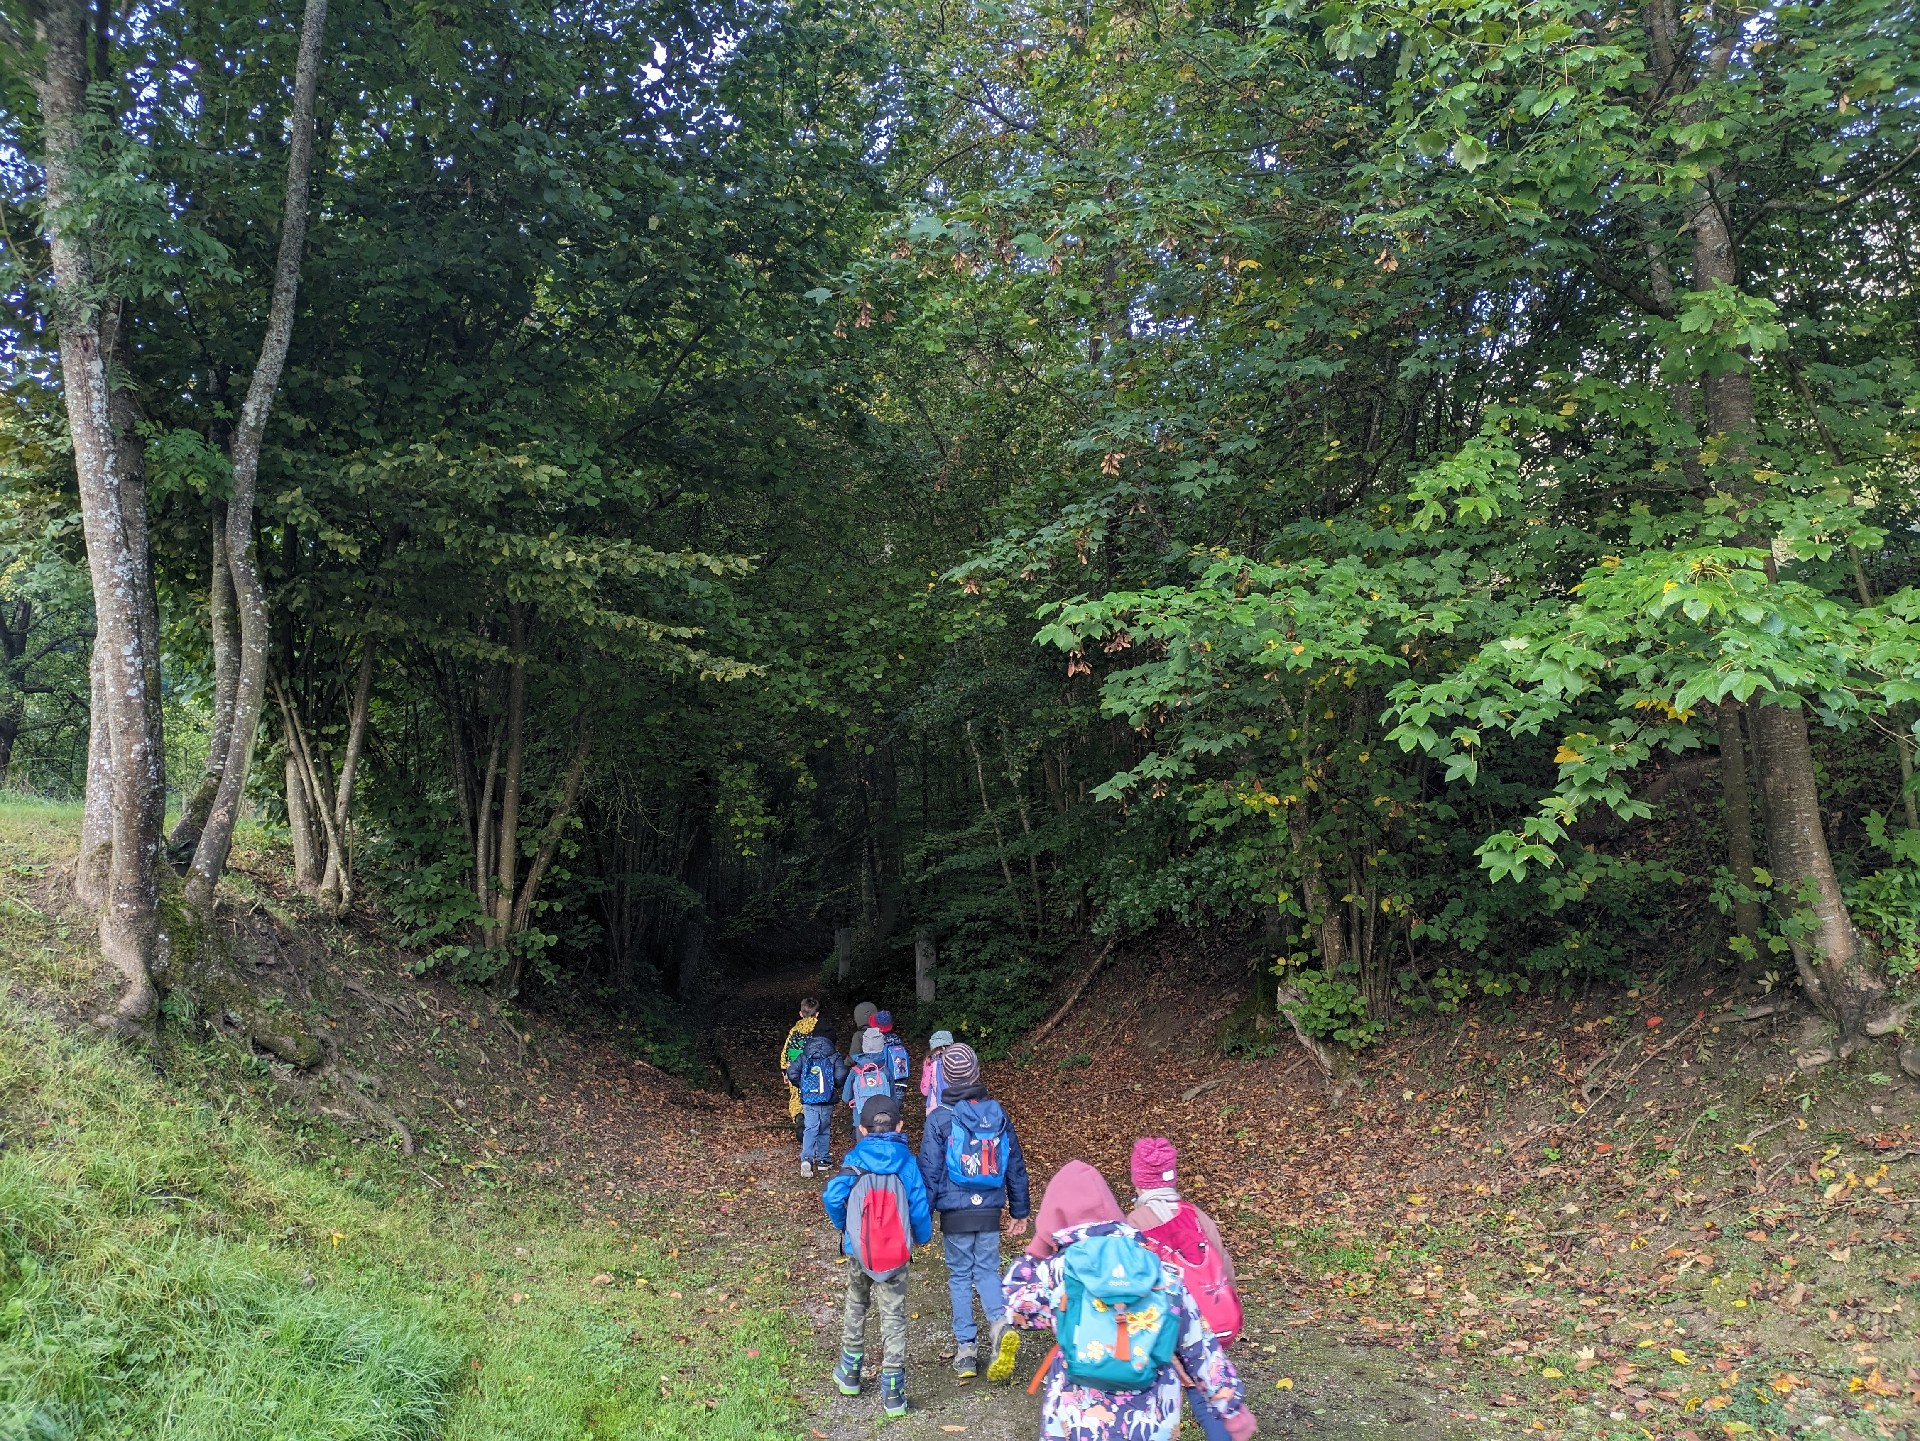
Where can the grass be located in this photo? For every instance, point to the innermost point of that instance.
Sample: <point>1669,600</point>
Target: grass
<point>169,1269</point>
<point>180,1263</point>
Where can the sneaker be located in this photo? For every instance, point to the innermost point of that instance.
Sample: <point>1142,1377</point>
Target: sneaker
<point>1004,1344</point>
<point>847,1374</point>
<point>893,1392</point>
<point>966,1361</point>
<point>806,1168</point>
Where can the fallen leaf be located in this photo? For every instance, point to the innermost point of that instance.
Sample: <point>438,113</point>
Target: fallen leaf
<point>603,1279</point>
<point>1680,1358</point>
<point>1285,1383</point>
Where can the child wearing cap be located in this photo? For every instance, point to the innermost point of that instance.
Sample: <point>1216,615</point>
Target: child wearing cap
<point>878,1202</point>
<point>975,1170</point>
<point>930,1070</point>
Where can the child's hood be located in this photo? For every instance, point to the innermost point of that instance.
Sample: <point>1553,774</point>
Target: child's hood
<point>887,1153</point>
<point>975,1106</point>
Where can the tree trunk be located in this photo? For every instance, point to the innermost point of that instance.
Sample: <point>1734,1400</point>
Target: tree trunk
<point>226,659</point>
<point>336,885</point>
<point>1835,964</point>
<point>1739,822</point>
<point>113,515</point>
<point>250,597</point>
<point>550,839</point>
<point>923,962</point>
<point>509,859</point>
<point>306,854</point>
<point>96,815</point>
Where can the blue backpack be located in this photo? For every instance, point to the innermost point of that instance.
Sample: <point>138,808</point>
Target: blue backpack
<point>1114,1321</point>
<point>869,1080</point>
<point>977,1146</point>
<point>817,1067</point>
<point>899,1063</point>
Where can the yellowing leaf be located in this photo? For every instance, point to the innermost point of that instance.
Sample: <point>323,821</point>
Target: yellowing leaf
<point>1285,1383</point>
<point>1680,1357</point>
<point>1567,756</point>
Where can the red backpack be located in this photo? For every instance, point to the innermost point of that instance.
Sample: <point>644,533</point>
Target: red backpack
<point>877,1224</point>
<point>1183,1241</point>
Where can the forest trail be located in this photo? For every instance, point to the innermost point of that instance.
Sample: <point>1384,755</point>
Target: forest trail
<point>1301,1380</point>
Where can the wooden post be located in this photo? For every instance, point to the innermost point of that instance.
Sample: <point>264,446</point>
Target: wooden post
<point>843,951</point>
<point>923,965</point>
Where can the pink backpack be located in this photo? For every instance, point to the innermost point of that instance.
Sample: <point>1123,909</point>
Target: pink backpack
<point>1183,1241</point>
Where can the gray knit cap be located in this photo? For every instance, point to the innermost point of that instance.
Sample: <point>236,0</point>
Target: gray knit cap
<point>873,1043</point>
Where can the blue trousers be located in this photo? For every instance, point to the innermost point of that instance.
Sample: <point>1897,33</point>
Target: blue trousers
<point>973,1267</point>
<point>814,1141</point>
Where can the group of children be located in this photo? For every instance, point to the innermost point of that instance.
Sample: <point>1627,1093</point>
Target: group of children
<point>1141,1304</point>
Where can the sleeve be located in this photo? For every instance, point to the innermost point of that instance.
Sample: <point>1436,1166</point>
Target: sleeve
<point>793,1071</point>
<point>919,1203</point>
<point>842,1068</point>
<point>1019,1197</point>
<point>1212,1230</point>
<point>1206,1360</point>
<point>846,1084</point>
<point>835,1198</point>
<point>933,1158</point>
<point>1029,1289</point>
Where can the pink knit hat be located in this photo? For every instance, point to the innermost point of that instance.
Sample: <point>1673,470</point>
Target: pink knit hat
<point>1155,1162</point>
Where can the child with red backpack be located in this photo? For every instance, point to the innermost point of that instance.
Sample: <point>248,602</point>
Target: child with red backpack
<point>878,1202</point>
<point>1127,1333</point>
<point>1180,1232</point>
<point>974,1169</point>
<point>868,1076</point>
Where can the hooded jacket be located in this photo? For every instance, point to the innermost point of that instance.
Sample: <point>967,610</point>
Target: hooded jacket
<point>888,1154</point>
<point>962,1211</point>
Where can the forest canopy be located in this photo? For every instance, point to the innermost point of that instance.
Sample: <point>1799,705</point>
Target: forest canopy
<point>1429,487</point>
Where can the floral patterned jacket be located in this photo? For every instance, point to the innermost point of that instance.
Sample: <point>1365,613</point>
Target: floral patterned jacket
<point>1072,1412</point>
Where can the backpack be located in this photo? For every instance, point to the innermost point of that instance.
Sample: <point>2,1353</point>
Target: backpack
<point>977,1146</point>
<point>795,1047</point>
<point>877,1236</point>
<point>1203,1270</point>
<point>869,1079</point>
<point>899,1063</point>
<point>1114,1321</point>
<point>816,1071</point>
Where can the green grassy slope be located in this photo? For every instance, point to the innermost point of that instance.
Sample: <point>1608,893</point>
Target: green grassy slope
<point>180,1263</point>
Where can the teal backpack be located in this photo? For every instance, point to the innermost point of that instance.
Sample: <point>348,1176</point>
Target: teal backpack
<point>1116,1325</point>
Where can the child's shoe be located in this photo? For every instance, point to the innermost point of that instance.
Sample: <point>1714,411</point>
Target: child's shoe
<point>806,1168</point>
<point>847,1374</point>
<point>893,1392</point>
<point>966,1361</point>
<point>1004,1345</point>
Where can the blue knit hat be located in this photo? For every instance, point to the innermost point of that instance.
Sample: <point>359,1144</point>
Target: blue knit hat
<point>883,1020</point>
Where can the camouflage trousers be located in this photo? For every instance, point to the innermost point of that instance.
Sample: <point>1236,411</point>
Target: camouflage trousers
<point>890,1299</point>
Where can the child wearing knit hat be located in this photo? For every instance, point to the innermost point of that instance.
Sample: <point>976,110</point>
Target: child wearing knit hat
<point>1182,1233</point>
<point>974,1169</point>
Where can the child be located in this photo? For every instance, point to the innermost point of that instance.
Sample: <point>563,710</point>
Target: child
<point>1180,1232</point>
<point>1126,1331</point>
<point>862,1020</point>
<point>878,1202</point>
<point>816,1075</point>
<point>789,1053</point>
<point>899,1062</point>
<point>867,1076</point>
<point>930,1070</point>
<point>974,1167</point>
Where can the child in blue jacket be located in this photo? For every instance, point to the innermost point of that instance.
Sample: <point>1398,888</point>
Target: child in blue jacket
<point>864,1202</point>
<point>974,1169</point>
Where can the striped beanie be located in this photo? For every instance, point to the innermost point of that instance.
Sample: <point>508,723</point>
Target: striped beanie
<point>959,1066</point>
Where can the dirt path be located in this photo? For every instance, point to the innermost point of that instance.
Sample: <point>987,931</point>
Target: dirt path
<point>1301,1381</point>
